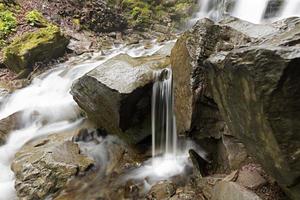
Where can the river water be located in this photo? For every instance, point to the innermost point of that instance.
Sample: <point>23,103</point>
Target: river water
<point>46,105</point>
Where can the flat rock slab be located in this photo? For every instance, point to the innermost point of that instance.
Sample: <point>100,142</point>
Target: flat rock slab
<point>232,191</point>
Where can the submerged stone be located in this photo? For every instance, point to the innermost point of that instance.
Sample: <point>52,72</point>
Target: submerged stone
<point>41,45</point>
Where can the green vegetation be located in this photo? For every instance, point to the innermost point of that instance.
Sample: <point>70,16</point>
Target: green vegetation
<point>141,13</point>
<point>8,23</point>
<point>35,18</point>
<point>31,40</point>
<point>34,46</point>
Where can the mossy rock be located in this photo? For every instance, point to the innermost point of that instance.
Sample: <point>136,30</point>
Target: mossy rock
<point>41,45</point>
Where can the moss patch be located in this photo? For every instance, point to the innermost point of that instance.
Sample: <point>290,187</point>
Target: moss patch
<point>8,23</point>
<point>41,45</point>
<point>35,18</point>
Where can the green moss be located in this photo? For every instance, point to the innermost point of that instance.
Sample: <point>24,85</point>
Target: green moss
<point>141,13</point>
<point>76,21</point>
<point>8,22</point>
<point>35,46</point>
<point>35,18</point>
<point>31,40</point>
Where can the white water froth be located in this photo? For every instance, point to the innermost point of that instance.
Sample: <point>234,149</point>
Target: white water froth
<point>164,135</point>
<point>252,10</point>
<point>249,10</point>
<point>47,107</point>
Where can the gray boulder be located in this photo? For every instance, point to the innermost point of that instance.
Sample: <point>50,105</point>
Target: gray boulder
<point>117,95</point>
<point>43,167</point>
<point>245,77</point>
<point>257,90</point>
<point>191,91</point>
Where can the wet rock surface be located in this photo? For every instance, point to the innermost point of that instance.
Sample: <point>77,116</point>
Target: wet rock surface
<point>187,58</point>
<point>42,167</point>
<point>117,95</point>
<point>245,79</point>
<point>261,109</point>
<point>7,125</point>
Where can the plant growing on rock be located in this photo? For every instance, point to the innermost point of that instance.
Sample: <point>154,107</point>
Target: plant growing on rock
<point>35,18</point>
<point>142,13</point>
<point>8,22</point>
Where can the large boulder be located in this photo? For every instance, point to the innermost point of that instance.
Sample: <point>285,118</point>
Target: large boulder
<point>187,58</point>
<point>117,95</point>
<point>41,45</point>
<point>258,90</point>
<point>43,167</point>
<point>251,85</point>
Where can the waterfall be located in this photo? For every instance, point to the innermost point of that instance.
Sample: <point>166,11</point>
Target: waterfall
<point>255,11</point>
<point>164,136</point>
<point>252,10</point>
<point>291,7</point>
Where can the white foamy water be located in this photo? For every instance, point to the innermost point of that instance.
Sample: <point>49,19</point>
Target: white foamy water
<point>291,8</point>
<point>46,106</point>
<point>164,135</point>
<point>250,10</point>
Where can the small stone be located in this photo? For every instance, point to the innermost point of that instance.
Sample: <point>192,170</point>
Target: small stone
<point>250,179</point>
<point>162,190</point>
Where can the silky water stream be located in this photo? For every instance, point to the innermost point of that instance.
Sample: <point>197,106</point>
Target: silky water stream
<point>46,107</point>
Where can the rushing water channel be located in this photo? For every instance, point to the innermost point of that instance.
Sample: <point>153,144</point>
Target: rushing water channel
<point>46,107</point>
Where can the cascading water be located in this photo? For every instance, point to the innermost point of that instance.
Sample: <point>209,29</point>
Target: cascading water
<point>164,136</point>
<point>252,11</point>
<point>255,11</point>
<point>47,107</point>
